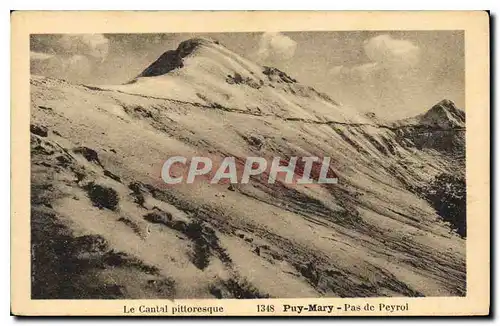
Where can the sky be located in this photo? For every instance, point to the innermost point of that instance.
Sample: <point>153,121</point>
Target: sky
<point>395,74</point>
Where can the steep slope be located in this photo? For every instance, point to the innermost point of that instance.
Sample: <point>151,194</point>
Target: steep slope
<point>117,230</point>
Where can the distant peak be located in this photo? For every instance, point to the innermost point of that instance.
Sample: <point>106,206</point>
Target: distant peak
<point>446,114</point>
<point>446,102</point>
<point>449,107</point>
<point>445,105</point>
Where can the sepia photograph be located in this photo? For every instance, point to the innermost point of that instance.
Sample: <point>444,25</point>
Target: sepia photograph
<point>282,164</point>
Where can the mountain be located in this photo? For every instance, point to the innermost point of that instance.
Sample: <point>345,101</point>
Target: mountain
<point>441,128</point>
<point>105,225</point>
<point>443,115</point>
<point>202,71</point>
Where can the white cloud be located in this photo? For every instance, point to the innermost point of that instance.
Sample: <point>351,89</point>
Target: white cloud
<point>386,50</point>
<point>388,80</point>
<point>276,46</point>
<point>389,57</point>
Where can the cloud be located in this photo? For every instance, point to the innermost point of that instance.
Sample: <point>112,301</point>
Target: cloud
<point>389,58</point>
<point>68,56</point>
<point>276,47</point>
<point>389,81</point>
<point>357,73</point>
<point>386,50</point>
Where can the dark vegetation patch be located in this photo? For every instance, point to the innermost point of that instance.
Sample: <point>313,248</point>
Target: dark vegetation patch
<point>63,160</point>
<point>238,79</point>
<point>242,289</point>
<point>39,130</point>
<point>205,241</point>
<point>447,194</point>
<point>45,108</point>
<point>112,175</point>
<point>309,271</point>
<point>42,193</point>
<point>254,140</point>
<point>44,151</point>
<point>143,112</point>
<point>121,259</point>
<point>137,192</point>
<point>202,97</point>
<point>201,254</point>
<point>102,196</point>
<point>93,88</point>
<point>131,224</point>
<point>89,154</point>
<point>203,237</point>
<point>159,217</point>
<point>39,146</point>
<point>283,77</point>
<point>348,200</point>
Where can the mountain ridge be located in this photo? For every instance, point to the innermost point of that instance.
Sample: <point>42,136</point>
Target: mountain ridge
<point>398,124</point>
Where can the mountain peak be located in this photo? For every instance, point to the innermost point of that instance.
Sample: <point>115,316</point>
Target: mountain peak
<point>444,114</point>
<point>446,103</point>
<point>173,59</point>
<point>202,71</point>
<point>447,106</point>
<point>197,41</point>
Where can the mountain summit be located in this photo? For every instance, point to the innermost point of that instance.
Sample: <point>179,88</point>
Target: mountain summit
<point>444,114</point>
<point>171,60</point>
<point>204,72</point>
